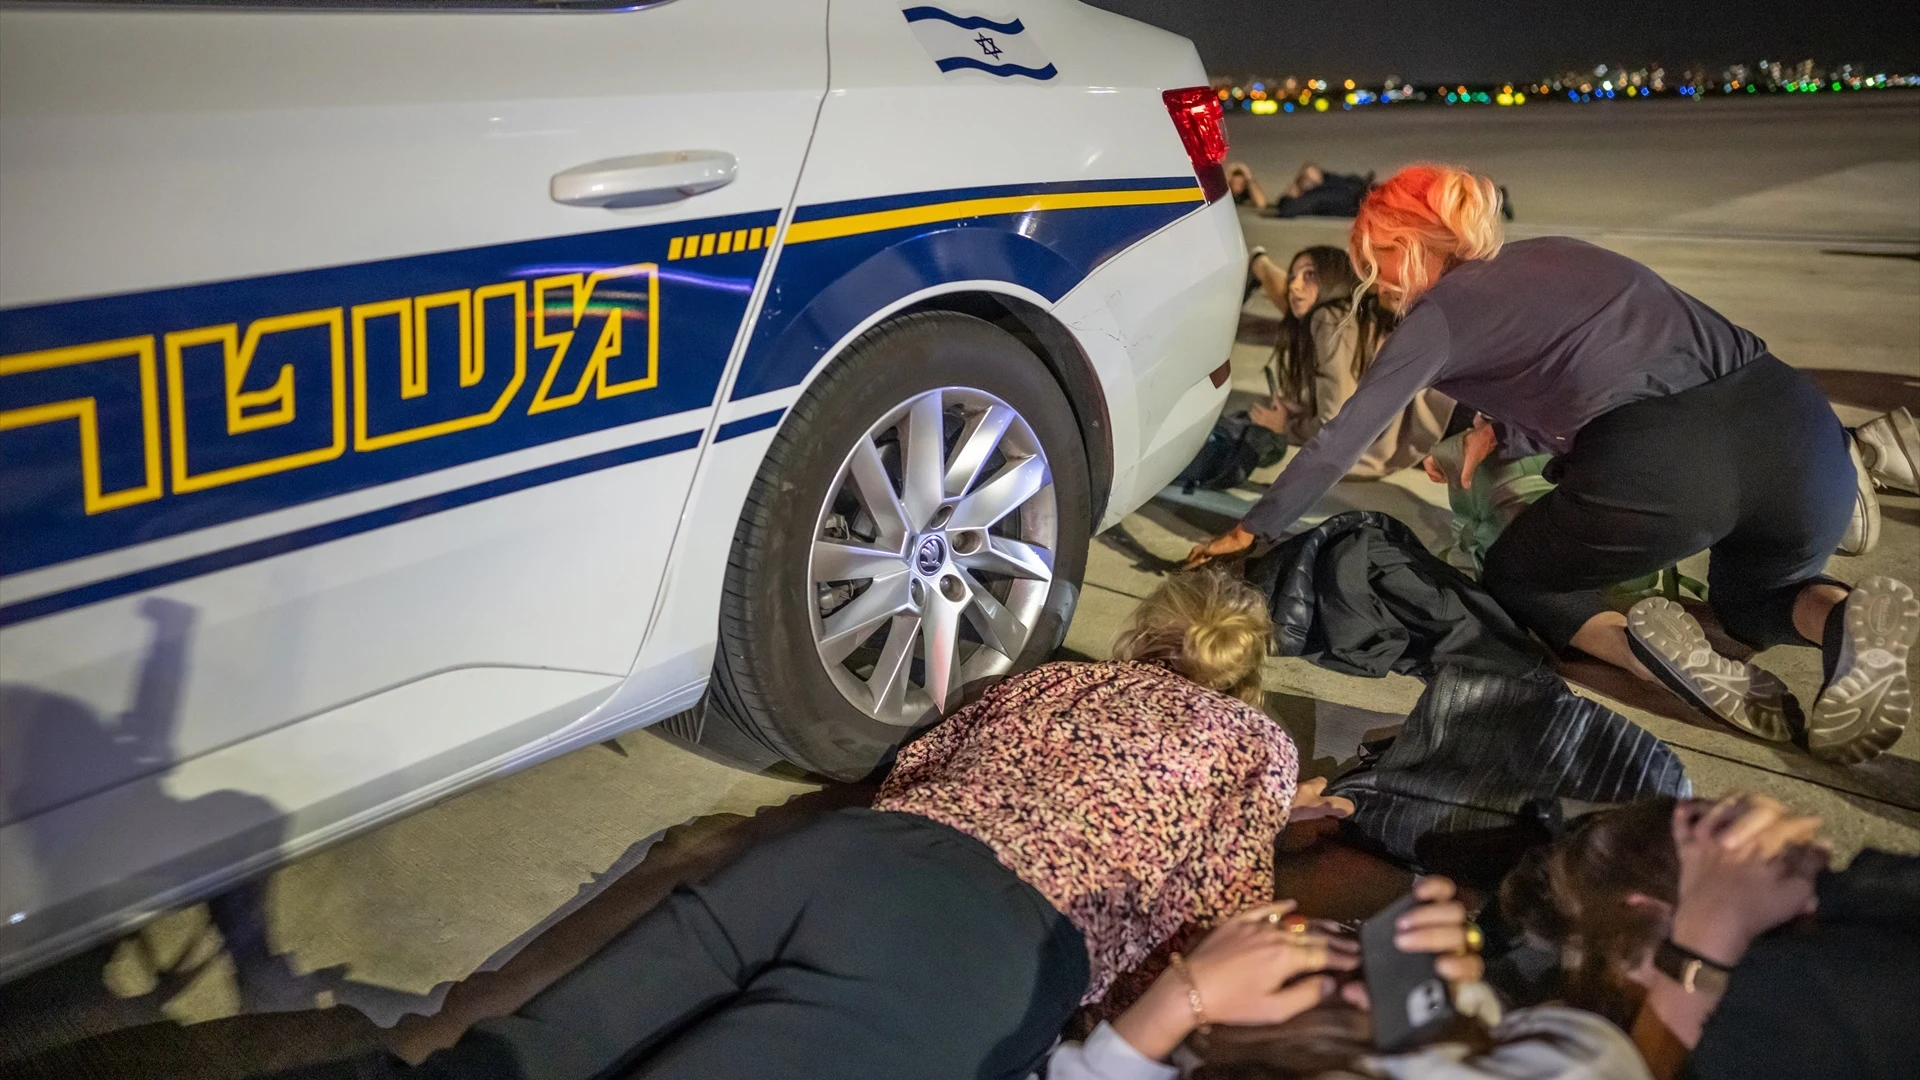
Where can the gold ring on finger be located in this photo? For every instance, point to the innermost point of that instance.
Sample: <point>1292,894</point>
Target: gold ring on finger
<point>1475,937</point>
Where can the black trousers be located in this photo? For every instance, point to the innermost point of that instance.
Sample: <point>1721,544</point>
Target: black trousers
<point>865,944</point>
<point>1752,466</point>
<point>1339,195</point>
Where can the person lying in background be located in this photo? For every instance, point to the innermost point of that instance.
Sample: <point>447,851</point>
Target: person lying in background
<point>1328,338</point>
<point>1313,192</point>
<point>1717,932</point>
<point>1245,189</point>
<point>1020,856</point>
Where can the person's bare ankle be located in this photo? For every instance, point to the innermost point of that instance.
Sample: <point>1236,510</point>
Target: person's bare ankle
<point>1813,606</point>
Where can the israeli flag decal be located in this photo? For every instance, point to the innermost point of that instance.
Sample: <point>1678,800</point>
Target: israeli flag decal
<point>977,43</point>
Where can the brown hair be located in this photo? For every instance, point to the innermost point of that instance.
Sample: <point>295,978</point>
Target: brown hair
<point>1327,1042</point>
<point>1296,356</point>
<point>1207,626</point>
<point>1574,895</point>
<point>1324,1041</point>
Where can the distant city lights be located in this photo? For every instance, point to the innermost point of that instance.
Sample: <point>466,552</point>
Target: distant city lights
<point>1267,95</point>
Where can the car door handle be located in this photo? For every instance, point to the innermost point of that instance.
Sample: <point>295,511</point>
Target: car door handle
<point>643,179</point>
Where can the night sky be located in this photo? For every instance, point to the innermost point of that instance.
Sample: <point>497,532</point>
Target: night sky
<point>1525,39</point>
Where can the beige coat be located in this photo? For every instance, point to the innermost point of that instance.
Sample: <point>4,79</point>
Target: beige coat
<point>1407,440</point>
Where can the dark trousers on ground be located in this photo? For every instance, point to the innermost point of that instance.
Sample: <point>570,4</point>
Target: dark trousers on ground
<point>1338,195</point>
<point>1752,466</point>
<point>865,944</point>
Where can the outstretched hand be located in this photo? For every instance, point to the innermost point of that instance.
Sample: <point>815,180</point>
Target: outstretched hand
<point>1231,542</point>
<point>1311,801</point>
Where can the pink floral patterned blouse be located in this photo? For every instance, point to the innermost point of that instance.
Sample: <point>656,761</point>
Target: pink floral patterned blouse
<point>1139,803</point>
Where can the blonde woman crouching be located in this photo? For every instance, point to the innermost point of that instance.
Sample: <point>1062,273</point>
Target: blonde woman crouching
<point>1674,430</point>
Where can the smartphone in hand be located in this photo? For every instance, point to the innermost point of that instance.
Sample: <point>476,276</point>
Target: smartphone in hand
<point>1410,1000</point>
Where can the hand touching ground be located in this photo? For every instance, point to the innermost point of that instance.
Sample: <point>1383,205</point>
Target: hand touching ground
<point>1310,801</point>
<point>1232,542</point>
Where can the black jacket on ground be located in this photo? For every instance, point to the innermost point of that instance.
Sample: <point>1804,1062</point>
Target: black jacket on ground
<point>1498,749</point>
<point>1359,594</point>
<point>1488,765</point>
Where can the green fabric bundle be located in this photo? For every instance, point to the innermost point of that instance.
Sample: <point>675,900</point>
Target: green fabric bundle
<point>1501,489</point>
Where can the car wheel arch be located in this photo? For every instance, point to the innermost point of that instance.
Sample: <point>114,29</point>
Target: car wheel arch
<point>1055,347</point>
<point>1019,311</point>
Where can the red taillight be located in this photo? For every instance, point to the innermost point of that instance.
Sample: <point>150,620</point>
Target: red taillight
<point>1196,115</point>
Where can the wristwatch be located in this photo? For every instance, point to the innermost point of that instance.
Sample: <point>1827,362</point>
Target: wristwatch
<point>1695,973</point>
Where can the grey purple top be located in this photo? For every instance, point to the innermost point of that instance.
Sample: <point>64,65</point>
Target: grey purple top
<point>1546,336</point>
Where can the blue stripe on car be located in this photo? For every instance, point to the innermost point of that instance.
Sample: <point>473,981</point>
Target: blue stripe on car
<point>267,548</point>
<point>733,429</point>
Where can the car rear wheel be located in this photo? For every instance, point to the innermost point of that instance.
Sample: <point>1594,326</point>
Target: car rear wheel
<point>917,531</point>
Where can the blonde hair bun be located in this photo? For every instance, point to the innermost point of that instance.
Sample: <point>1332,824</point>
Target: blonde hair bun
<point>1424,220</point>
<point>1208,626</point>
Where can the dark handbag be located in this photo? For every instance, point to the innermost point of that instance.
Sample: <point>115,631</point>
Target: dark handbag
<point>1486,765</point>
<point>1234,449</point>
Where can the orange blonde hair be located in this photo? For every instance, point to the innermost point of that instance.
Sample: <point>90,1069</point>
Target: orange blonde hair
<point>1421,223</point>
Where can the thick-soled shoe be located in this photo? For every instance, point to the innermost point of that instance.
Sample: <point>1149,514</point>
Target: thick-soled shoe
<point>1867,700</point>
<point>1674,647</point>
<point>1891,446</point>
<point>1863,532</point>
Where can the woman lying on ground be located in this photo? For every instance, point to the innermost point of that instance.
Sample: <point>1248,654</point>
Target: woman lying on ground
<point>1333,1042</point>
<point>1313,192</point>
<point>1328,338</point>
<point>1035,845</point>
<point>1632,383</point>
<point>1245,189</point>
<point>1669,917</point>
<point>1269,998</point>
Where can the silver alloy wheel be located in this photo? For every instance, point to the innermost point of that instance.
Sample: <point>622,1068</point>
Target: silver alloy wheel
<point>932,554</point>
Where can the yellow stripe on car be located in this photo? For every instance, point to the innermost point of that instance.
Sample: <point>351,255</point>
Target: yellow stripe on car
<point>854,224</point>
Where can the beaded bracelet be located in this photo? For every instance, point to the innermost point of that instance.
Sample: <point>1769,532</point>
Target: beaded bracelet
<point>1193,994</point>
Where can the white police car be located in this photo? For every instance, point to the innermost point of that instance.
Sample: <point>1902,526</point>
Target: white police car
<point>393,394</point>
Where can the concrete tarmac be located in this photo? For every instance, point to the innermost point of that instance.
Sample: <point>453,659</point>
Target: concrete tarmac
<point>1798,219</point>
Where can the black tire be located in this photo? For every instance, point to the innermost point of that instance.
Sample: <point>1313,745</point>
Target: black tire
<point>769,683</point>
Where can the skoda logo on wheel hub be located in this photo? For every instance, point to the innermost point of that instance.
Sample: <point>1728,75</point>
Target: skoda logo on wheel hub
<point>932,554</point>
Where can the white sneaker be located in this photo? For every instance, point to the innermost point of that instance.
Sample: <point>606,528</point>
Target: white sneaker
<point>1863,532</point>
<point>1868,700</point>
<point>1674,647</point>
<point>1890,446</point>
